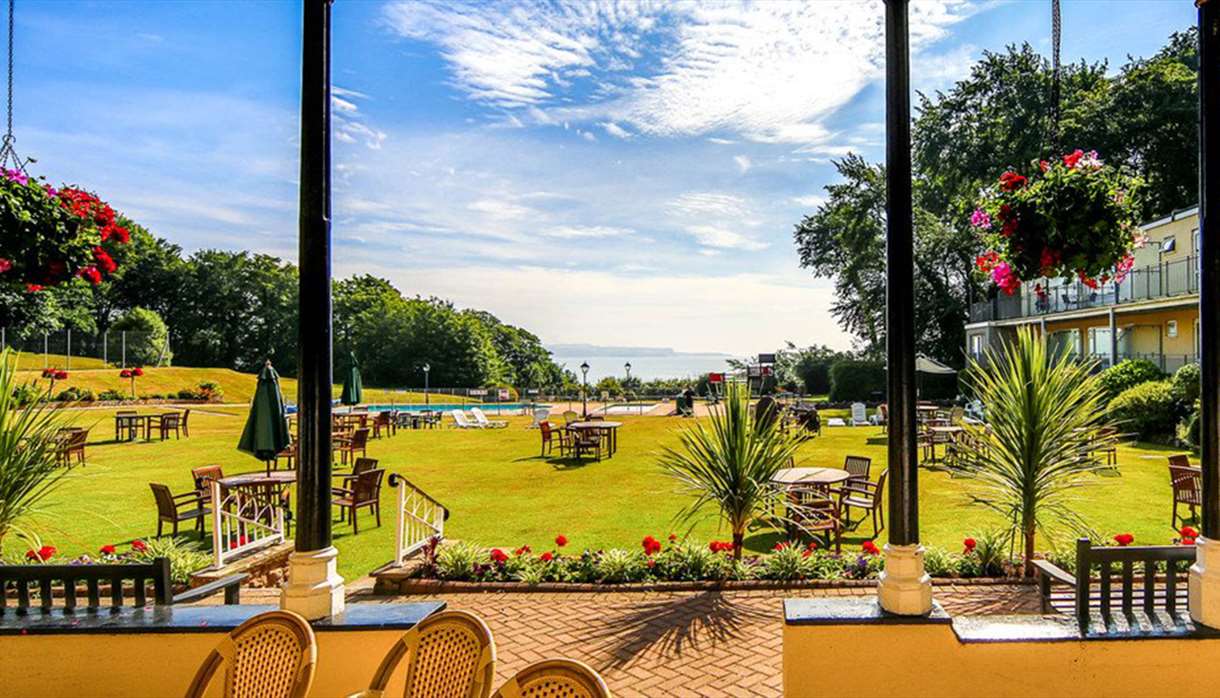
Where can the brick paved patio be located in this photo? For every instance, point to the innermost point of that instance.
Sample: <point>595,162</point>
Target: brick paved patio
<point>671,644</point>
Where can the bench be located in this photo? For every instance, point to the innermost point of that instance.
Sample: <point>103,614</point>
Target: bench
<point>1143,580</point>
<point>68,581</point>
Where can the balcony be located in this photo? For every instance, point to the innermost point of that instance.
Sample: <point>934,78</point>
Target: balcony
<point>1151,282</point>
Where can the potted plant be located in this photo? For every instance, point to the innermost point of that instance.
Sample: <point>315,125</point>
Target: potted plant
<point>1072,217</point>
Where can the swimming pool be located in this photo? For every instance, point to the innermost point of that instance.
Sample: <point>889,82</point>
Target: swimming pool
<point>489,407</point>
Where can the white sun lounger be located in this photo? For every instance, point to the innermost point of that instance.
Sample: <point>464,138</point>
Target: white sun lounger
<point>482,420</point>
<point>460,421</point>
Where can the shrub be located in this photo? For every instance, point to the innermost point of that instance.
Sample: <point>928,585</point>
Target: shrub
<point>1127,374</point>
<point>187,394</point>
<point>1187,383</point>
<point>85,395</point>
<point>856,380</point>
<point>1188,431</point>
<point>69,395</point>
<point>939,562</point>
<point>989,556</point>
<point>111,395</point>
<point>211,391</point>
<point>184,556</point>
<point>789,561</point>
<point>690,562</point>
<point>1148,409</point>
<point>618,566</point>
<point>147,337</point>
<point>26,394</point>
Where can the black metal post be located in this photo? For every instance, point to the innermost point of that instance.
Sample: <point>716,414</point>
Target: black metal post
<point>314,334</point>
<point>1209,267</point>
<point>900,281</point>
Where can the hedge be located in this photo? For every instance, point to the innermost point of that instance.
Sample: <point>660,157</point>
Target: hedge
<point>856,380</point>
<point>1149,409</point>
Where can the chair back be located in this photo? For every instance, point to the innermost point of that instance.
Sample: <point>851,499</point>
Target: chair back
<point>448,654</point>
<point>459,418</point>
<point>880,488</point>
<point>545,427</point>
<point>382,419</point>
<point>203,477</point>
<point>1179,461</point>
<point>1187,484</point>
<point>165,499</point>
<point>363,465</point>
<point>857,466</point>
<point>368,486</point>
<point>883,412</point>
<point>186,414</point>
<point>271,655</point>
<point>557,678</point>
<point>859,413</point>
<point>478,415</point>
<point>360,438</point>
<point>570,416</point>
<point>170,420</point>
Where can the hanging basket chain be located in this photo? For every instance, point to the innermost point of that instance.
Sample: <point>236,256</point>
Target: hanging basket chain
<point>8,154</point>
<point>1055,78</point>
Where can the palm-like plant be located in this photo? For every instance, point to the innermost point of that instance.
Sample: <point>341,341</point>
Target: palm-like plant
<point>29,469</point>
<point>1045,419</point>
<point>728,462</point>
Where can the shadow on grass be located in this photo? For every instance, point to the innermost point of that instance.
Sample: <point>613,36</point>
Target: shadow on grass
<point>669,626</point>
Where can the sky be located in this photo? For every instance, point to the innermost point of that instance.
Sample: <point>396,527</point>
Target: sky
<point>615,173</point>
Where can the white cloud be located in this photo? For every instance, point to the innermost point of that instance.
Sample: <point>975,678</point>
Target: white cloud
<point>721,238</point>
<point>768,71</point>
<point>710,204</point>
<point>809,200</point>
<point>743,163</point>
<point>568,232</point>
<point>615,130</point>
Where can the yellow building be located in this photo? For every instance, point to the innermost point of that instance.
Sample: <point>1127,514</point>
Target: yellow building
<point>1153,314</point>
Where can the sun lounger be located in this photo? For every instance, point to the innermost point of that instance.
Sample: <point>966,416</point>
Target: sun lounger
<point>482,420</point>
<point>460,421</point>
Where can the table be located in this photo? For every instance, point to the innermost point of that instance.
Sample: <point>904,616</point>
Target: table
<point>268,487</point>
<point>942,435</point>
<point>132,422</point>
<point>819,477</point>
<point>610,428</point>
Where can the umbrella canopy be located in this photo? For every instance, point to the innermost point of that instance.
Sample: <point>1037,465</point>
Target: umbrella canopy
<point>353,389</point>
<point>925,365</point>
<point>266,432</point>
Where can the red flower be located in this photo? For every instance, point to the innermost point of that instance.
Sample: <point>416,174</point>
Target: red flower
<point>651,545</point>
<point>90,274</point>
<point>107,550</point>
<point>719,546</point>
<point>125,373</point>
<point>104,260</point>
<point>813,545</point>
<point>1188,532</point>
<point>61,375</point>
<point>1072,158</point>
<point>779,546</point>
<point>1048,260</point>
<point>561,540</point>
<point>1124,539</point>
<point>139,546</point>
<point>806,553</point>
<point>1044,165</point>
<point>137,371</point>
<point>651,563</point>
<point>33,288</point>
<point>986,262</point>
<point>1087,280</point>
<point>1187,540</point>
<point>969,543</point>
<point>547,556</point>
<point>1011,181</point>
<point>498,556</point>
<point>5,265</point>
<point>521,551</point>
<point>870,547</point>
<point>673,537</point>
<point>43,554</point>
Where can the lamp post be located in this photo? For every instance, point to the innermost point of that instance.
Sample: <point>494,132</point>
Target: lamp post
<point>584,390</point>
<point>427,368</point>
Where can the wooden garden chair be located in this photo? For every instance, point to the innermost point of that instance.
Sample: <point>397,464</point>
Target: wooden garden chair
<point>555,678</point>
<point>364,493</point>
<point>170,422</point>
<point>358,442</point>
<point>170,508</point>
<point>186,422</point>
<point>271,655</point>
<point>587,441</point>
<point>203,477</point>
<point>549,437</point>
<point>382,421</point>
<point>362,465</point>
<point>1187,488</point>
<point>71,443</point>
<point>449,655</point>
<point>866,495</point>
<point>811,511</point>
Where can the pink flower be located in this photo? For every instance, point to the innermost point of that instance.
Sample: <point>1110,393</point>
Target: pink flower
<point>1123,268</point>
<point>5,265</point>
<point>1005,278</point>
<point>980,219</point>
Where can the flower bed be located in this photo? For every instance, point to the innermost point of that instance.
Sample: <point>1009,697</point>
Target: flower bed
<point>674,565</point>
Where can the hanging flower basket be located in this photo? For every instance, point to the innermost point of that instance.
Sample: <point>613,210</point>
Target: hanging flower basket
<point>1071,218</point>
<point>49,236</point>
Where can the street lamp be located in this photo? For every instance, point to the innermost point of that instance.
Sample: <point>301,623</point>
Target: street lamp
<point>628,367</point>
<point>584,391</point>
<point>427,368</point>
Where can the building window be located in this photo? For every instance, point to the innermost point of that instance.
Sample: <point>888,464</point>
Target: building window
<point>1171,328</point>
<point>1168,244</point>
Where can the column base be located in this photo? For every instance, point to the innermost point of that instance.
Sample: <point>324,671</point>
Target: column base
<point>904,588</point>
<point>314,588</point>
<point>1204,583</point>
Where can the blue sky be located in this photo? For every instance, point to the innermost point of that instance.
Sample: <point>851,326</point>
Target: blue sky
<point>611,173</point>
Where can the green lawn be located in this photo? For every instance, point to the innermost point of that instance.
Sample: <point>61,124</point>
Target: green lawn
<point>501,493</point>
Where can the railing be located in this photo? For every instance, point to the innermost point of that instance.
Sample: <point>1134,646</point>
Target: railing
<point>420,519</point>
<point>243,522</point>
<point>70,350</point>
<point>1163,280</point>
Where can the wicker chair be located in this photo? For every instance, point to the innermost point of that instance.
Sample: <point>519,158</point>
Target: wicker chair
<point>203,477</point>
<point>449,655</point>
<point>271,655</point>
<point>555,678</point>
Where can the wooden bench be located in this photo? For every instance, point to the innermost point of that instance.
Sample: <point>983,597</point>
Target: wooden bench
<point>68,581</point>
<point>1144,580</point>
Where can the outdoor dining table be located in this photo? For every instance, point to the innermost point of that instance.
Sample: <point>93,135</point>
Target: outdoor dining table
<point>132,423</point>
<point>610,428</point>
<point>822,478</point>
<point>267,486</point>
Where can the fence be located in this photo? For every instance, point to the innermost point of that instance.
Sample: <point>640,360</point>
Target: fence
<point>1163,280</point>
<point>244,521</point>
<point>64,348</point>
<point>420,519</point>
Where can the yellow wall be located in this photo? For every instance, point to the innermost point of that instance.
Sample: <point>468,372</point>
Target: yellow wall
<point>928,660</point>
<point>136,666</point>
<point>1182,230</point>
<point>1144,328</point>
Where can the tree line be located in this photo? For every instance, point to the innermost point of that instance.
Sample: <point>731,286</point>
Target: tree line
<point>1143,117</point>
<point>238,309</point>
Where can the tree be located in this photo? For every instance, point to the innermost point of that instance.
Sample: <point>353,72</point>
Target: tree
<point>1045,422</point>
<point>147,342</point>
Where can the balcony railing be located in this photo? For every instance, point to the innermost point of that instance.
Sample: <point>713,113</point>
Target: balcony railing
<point>1163,280</point>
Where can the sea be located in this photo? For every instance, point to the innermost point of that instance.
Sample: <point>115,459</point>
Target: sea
<point>646,364</point>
